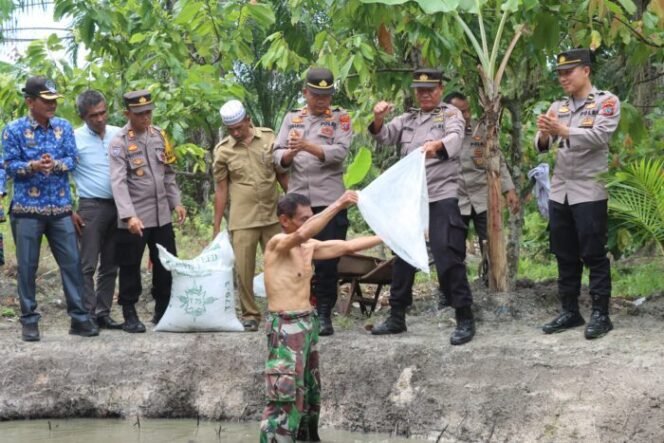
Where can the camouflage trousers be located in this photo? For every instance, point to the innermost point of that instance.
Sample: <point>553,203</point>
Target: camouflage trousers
<point>292,380</point>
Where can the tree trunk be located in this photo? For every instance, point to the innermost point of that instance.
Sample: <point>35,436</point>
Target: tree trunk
<point>515,221</point>
<point>497,256</point>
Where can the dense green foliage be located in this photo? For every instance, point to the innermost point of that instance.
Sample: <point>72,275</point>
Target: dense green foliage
<point>196,54</point>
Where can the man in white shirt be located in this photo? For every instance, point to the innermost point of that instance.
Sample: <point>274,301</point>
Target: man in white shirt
<point>96,219</point>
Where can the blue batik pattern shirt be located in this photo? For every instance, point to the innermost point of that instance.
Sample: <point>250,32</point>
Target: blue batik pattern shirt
<point>39,194</point>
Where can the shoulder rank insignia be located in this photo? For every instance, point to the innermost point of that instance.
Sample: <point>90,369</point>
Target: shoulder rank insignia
<point>296,119</point>
<point>563,109</point>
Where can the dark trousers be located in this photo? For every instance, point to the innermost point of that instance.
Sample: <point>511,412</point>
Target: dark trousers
<point>97,244</point>
<point>448,246</point>
<point>479,222</point>
<point>61,236</point>
<point>578,236</point>
<point>129,253</point>
<point>326,275</point>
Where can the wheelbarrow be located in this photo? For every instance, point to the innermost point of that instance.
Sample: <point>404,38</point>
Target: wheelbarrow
<point>358,270</point>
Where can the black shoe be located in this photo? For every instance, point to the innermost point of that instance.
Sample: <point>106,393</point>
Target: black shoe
<point>131,324</point>
<point>250,325</point>
<point>464,332</point>
<point>564,321</point>
<point>30,332</point>
<point>84,329</point>
<point>326,327</point>
<point>599,325</point>
<point>106,322</point>
<point>395,324</point>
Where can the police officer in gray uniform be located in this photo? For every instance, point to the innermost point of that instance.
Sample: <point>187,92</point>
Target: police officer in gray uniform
<point>311,147</point>
<point>580,126</point>
<point>145,193</point>
<point>473,188</point>
<point>439,129</point>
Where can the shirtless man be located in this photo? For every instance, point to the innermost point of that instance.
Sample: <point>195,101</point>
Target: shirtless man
<point>292,379</point>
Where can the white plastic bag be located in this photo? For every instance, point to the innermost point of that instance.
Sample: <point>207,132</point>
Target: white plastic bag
<point>259,286</point>
<point>396,207</point>
<point>202,295</point>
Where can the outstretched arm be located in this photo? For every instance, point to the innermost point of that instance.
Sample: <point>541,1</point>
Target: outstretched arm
<point>313,226</point>
<point>336,248</point>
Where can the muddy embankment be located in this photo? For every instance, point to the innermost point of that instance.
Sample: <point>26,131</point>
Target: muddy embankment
<point>512,383</point>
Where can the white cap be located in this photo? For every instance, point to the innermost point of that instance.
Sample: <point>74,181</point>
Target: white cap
<point>232,112</point>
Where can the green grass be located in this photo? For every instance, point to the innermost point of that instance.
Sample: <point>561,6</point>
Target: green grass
<point>638,280</point>
<point>630,278</point>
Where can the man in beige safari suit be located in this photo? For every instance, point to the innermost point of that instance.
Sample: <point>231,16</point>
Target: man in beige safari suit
<point>245,174</point>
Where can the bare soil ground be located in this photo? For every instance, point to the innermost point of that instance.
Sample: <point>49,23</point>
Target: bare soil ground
<point>511,384</point>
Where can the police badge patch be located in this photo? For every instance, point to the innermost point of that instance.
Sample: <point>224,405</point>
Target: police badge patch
<point>116,150</point>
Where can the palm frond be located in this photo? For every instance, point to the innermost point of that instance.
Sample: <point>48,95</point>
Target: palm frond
<point>636,197</point>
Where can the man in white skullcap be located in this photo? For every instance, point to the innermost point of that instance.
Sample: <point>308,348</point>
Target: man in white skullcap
<point>245,174</point>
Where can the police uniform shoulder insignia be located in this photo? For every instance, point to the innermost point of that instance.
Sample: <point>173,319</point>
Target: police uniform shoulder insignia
<point>296,119</point>
<point>608,107</point>
<point>268,130</point>
<point>344,122</point>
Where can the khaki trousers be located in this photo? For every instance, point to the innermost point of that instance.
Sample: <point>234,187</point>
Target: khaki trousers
<point>245,242</point>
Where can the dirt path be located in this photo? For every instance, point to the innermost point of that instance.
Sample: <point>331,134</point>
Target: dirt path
<point>512,383</point>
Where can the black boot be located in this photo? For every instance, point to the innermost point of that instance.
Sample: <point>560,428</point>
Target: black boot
<point>564,321</point>
<point>131,324</point>
<point>395,323</point>
<point>30,332</point>
<point>569,316</point>
<point>465,328</point>
<point>600,323</point>
<point>84,329</point>
<point>325,318</point>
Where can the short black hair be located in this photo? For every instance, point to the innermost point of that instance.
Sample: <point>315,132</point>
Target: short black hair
<point>88,99</point>
<point>452,95</point>
<point>288,204</point>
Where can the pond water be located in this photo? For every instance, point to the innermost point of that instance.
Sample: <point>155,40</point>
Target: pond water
<point>156,430</point>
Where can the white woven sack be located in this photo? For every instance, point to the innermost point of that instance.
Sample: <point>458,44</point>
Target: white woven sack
<point>396,207</point>
<point>202,295</point>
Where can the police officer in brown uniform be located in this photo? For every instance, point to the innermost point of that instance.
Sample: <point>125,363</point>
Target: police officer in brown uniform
<point>580,126</point>
<point>312,145</point>
<point>245,172</point>
<point>439,129</point>
<point>473,189</point>
<point>145,193</point>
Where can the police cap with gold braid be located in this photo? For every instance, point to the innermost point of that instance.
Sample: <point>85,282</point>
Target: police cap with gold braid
<point>573,58</point>
<point>320,81</point>
<point>138,101</point>
<point>427,78</point>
